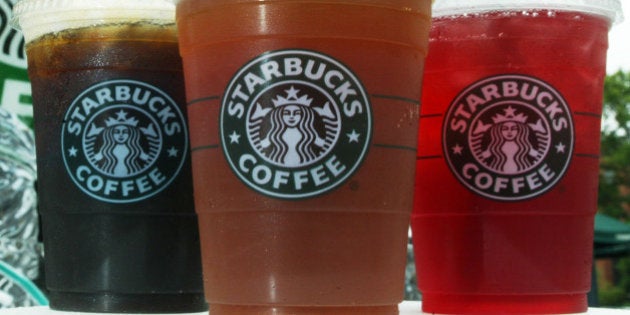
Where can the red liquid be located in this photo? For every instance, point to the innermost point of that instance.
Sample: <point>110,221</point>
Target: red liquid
<point>479,255</point>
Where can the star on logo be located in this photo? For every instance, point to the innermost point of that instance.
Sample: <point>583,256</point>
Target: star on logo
<point>72,151</point>
<point>172,152</point>
<point>292,93</point>
<point>353,136</point>
<point>121,115</point>
<point>234,137</point>
<point>457,149</point>
<point>560,147</point>
<point>510,111</point>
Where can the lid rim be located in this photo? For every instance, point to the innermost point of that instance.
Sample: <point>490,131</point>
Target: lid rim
<point>38,17</point>
<point>610,9</point>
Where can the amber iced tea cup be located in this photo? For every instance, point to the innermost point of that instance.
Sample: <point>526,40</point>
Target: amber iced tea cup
<point>303,119</point>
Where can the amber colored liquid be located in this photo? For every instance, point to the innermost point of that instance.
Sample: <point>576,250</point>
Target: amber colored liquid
<point>475,255</point>
<point>102,256</point>
<point>342,252</point>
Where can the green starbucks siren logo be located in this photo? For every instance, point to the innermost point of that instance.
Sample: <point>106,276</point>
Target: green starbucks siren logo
<point>12,49</point>
<point>123,141</point>
<point>15,88</point>
<point>295,124</point>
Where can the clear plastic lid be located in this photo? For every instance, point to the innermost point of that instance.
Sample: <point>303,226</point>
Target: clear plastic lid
<point>611,9</point>
<point>38,17</point>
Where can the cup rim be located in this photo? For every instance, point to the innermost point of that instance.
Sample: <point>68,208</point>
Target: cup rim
<point>39,17</point>
<point>610,9</point>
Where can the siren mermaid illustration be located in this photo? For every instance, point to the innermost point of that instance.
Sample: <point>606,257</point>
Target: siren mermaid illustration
<point>121,152</point>
<point>510,149</point>
<point>292,138</point>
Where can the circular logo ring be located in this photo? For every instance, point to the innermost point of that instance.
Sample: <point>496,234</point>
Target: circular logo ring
<point>295,124</point>
<point>123,141</point>
<point>12,41</point>
<point>508,137</point>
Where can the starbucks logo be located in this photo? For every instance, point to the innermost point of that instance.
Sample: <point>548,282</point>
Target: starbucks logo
<point>12,51</point>
<point>123,141</point>
<point>508,137</point>
<point>295,124</point>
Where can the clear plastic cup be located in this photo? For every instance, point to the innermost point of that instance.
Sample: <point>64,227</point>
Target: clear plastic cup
<point>303,119</point>
<point>507,168</point>
<point>114,179</point>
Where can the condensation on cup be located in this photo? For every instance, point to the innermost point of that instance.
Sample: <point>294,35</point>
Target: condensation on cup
<point>508,155</point>
<point>114,179</point>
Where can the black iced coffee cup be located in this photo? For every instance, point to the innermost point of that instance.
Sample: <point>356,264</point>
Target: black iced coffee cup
<point>114,177</point>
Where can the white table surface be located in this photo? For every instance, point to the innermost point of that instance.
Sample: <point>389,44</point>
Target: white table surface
<point>406,308</point>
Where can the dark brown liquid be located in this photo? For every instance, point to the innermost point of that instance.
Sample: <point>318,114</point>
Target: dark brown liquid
<point>140,256</point>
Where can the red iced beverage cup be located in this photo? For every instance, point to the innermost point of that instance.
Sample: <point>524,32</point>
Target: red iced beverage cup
<point>303,124</point>
<point>507,166</point>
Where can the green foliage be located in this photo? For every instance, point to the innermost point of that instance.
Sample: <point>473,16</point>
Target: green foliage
<point>623,268</point>
<point>617,102</point>
<point>612,296</point>
<point>615,146</point>
<point>614,184</point>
